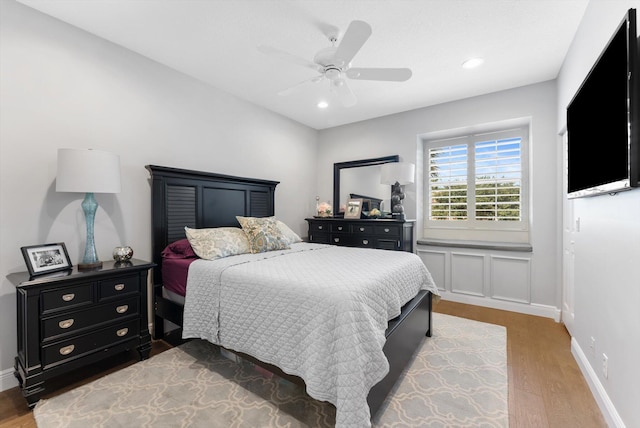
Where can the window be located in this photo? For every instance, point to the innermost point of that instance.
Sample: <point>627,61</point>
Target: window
<point>477,181</point>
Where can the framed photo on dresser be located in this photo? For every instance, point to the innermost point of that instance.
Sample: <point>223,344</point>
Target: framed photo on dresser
<point>46,258</point>
<point>354,208</point>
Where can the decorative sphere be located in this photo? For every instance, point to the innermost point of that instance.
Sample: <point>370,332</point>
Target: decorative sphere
<point>395,199</point>
<point>121,254</point>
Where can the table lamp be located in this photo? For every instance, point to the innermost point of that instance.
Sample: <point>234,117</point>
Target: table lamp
<point>88,171</point>
<point>397,174</point>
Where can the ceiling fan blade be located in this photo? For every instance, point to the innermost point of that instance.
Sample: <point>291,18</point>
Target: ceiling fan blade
<point>286,56</point>
<point>357,33</point>
<point>291,89</point>
<point>389,74</point>
<point>341,89</point>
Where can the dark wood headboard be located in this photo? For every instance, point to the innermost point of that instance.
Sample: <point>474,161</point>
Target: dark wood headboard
<point>196,199</point>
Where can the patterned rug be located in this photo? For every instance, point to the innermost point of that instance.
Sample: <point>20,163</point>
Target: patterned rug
<point>458,378</point>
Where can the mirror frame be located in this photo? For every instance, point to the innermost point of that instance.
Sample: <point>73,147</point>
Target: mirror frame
<point>338,166</point>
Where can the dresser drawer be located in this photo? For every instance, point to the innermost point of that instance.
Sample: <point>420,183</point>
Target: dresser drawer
<point>115,287</point>
<point>74,321</point>
<point>319,238</point>
<point>362,229</point>
<point>389,230</point>
<point>387,244</point>
<point>339,228</point>
<point>337,239</point>
<point>82,345</point>
<point>67,297</point>
<point>318,227</point>
<point>364,241</point>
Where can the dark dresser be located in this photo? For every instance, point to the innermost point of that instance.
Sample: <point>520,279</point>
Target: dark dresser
<point>386,234</point>
<point>67,320</point>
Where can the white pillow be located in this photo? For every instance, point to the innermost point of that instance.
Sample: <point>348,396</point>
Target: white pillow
<point>289,234</point>
<point>219,242</point>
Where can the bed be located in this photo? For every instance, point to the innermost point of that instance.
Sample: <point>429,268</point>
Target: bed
<point>205,200</point>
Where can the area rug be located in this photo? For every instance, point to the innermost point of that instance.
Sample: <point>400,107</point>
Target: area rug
<point>458,378</point>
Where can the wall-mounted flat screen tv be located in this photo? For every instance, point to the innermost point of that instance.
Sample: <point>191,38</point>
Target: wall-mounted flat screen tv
<point>603,120</point>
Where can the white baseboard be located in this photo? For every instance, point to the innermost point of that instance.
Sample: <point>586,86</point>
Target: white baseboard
<point>524,308</point>
<point>7,380</point>
<point>607,408</point>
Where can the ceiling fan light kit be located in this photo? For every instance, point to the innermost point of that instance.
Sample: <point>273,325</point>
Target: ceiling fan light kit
<point>334,64</point>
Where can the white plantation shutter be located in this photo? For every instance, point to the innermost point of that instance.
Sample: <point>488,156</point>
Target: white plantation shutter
<point>498,179</point>
<point>477,181</point>
<point>448,182</point>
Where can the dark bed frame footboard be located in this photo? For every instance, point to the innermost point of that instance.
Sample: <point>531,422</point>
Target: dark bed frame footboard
<point>196,199</point>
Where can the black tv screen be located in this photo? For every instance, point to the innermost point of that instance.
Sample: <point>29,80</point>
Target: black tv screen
<point>602,120</point>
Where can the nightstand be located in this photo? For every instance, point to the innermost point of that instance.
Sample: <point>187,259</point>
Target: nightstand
<point>67,320</point>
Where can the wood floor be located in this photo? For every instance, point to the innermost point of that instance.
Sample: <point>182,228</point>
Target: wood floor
<point>546,388</point>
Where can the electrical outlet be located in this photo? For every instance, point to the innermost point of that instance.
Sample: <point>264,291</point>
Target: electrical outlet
<point>605,366</point>
<point>592,346</point>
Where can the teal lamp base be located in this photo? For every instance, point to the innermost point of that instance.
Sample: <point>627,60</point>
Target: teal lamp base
<point>90,258</point>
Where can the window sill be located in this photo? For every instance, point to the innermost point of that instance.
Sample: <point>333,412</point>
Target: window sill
<point>481,245</point>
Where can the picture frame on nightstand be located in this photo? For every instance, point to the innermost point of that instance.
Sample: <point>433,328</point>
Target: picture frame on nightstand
<point>354,208</point>
<point>46,258</point>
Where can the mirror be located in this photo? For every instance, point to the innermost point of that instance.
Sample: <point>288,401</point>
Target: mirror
<point>361,178</point>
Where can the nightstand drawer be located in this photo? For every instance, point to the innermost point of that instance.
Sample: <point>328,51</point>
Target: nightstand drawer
<point>67,297</point>
<point>74,321</point>
<point>95,341</point>
<point>118,286</point>
<point>388,230</point>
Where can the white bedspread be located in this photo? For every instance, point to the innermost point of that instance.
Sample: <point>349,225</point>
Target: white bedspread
<point>316,311</point>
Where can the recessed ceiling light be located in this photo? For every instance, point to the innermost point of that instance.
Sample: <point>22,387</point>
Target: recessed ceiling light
<point>323,104</point>
<point>472,63</point>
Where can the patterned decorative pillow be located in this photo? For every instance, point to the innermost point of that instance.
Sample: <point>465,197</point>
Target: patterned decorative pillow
<point>219,242</point>
<point>289,234</point>
<point>263,234</point>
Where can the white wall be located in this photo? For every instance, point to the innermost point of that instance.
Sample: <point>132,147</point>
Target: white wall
<point>399,134</point>
<point>607,250</point>
<point>62,87</point>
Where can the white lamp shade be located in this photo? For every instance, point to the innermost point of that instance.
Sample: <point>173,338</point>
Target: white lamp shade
<point>402,172</point>
<point>88,171</point>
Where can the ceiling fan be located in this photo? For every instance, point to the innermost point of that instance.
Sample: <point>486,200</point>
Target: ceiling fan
<point>334,63</point>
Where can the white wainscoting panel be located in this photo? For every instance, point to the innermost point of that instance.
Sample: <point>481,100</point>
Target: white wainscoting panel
<point>511,278</point>
<point>436,263</point>
<point>468,273</point>
<point>495,278</point>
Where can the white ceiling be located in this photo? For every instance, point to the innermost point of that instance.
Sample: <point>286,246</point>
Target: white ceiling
<point>522,42</point>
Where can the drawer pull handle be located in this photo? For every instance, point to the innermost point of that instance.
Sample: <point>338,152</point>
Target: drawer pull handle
<point>319,227</point>
<point>68,297</point>
<point>362,229</point>
<point>122,332</point>
<point>66,323</point>
<point>336,239</point>
<point>119,287</point>
<point>365,241</point>
<point>122,309</point>
<point>66,350</point>
<point>386,230</point>
<point>339,227</point>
